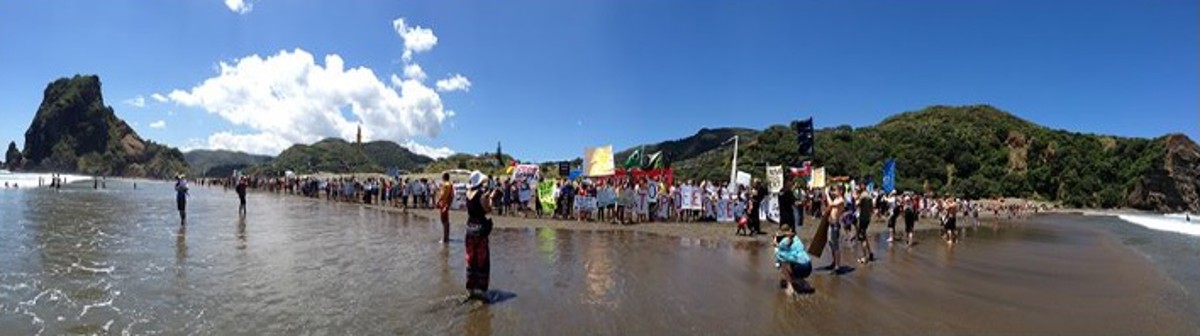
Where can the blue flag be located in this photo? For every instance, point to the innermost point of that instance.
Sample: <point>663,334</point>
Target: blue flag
<point>889,175</point>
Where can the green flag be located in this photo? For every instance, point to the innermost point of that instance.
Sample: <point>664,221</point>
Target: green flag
<point>634,160</point>
<point>654,161</point>
<point>545,192</point>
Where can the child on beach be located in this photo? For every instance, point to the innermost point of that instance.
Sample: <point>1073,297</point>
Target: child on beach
<point>793,262</point>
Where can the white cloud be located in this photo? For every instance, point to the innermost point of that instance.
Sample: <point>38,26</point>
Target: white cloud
<point>170,112</point>
<point>239,6</point>
<point>454,83</point>
<point>288,98</point>
<point>436,153</point>
<point>158,124</point>
<point>416,38</point>
<point>259,143</point>
<point>138,102</point>
<point>450,114</point>
<point>414,71</point>
<point>159,97</point>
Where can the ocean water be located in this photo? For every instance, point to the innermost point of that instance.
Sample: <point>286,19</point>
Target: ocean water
<point>116,261</point>
<point>30,180</point>
<point>1178,223</point>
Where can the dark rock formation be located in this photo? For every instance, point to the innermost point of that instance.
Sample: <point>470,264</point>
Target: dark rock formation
<point>1174,185</point>
<point>73,131</point>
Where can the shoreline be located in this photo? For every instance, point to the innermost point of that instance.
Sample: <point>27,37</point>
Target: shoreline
<point>716,231</point>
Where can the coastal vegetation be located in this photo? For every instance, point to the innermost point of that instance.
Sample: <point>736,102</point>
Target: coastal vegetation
<point>974,151</point>
<point>73,131</point>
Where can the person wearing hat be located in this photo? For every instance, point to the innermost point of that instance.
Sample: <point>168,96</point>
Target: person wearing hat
<point>181,194</point>
<point>479,226</point>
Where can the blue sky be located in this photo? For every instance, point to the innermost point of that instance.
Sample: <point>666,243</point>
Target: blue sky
<point>548,78</point>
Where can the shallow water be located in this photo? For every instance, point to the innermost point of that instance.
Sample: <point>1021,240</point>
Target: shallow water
<point>85,261</point>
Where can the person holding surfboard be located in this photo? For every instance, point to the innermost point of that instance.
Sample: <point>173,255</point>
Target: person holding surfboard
<point>828,232</point>
<point>479,227</point>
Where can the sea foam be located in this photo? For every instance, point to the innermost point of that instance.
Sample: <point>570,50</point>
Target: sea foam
<point>1170,222</point>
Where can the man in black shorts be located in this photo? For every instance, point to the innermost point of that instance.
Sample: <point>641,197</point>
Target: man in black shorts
<point>910,215</point>
<point>865,209</point>
<point>241,193</point>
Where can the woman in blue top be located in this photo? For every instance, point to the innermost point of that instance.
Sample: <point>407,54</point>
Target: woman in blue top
<point>792,261</point>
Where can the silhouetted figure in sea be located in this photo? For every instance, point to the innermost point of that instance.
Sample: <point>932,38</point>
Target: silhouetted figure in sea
<point>181,195</point>
<point>241,193</point>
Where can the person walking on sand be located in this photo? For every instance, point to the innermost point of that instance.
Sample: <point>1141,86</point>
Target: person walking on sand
<point>445,197</point>
<point>181,195</point>
<point>893,212</point>
<point>479,226</point>
<point>910,215</point>
<point>950,221</point>
<point>865,209</point>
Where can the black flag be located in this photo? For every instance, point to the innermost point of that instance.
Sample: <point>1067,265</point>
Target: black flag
<point>804,137</point>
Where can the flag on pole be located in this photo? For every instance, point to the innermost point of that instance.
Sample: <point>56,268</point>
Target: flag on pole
<point>889,175</point>
<point>654,161</point>
<point>634,160</point>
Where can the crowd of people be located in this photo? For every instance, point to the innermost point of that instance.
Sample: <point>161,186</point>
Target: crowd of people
<point>843,207</point>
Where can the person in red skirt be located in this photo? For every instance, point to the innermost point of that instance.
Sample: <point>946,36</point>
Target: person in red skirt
<point>479,227</point>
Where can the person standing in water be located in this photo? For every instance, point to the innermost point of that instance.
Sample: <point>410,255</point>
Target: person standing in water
<point>181,194</point>
<point>445,197</point>
<point>241,193</point>
<point>479,227</point>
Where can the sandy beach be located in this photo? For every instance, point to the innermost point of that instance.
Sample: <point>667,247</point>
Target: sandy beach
<point>116,259</point>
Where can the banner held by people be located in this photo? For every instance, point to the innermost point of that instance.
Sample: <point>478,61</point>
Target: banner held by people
<point>598,161</point>
<point>775,178</point>
<point>546,196</point>
<point>818,178</point>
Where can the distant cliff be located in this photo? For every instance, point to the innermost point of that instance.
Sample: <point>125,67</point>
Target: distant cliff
<point>1173,184</point>
<point>73,131</point>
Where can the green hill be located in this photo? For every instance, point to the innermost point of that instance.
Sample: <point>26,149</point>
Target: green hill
<point>334,155</point>
<point>217,163</point>
<point>75,132</point>
<point>972,151</point>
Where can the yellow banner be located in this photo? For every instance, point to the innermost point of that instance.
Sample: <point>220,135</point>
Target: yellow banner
<point>818,178</point>
<point>598,161</point>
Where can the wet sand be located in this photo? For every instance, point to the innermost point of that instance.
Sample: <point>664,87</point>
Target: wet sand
<point>699,230</point>
<point>116,261</point>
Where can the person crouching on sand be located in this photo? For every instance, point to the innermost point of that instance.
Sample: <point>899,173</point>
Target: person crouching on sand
<point>792,261</point>
<point>479,226</point>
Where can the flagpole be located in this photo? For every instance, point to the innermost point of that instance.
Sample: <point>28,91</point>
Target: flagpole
<point>733,168</point>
